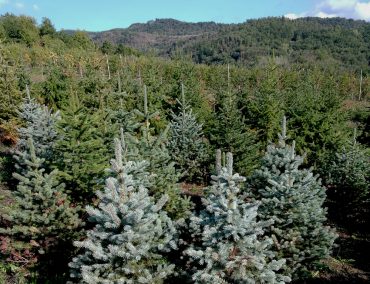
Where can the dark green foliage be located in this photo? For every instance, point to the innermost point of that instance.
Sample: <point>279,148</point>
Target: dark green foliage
<point>361,116</point>
<point>47,28</point>
<point>81,155</point>
<point>131,231</point>
<point>54,90</point>
<point>306,40</point>
<point>10,99</point>
<point>125,50</point>
<point>264,107</point>
<point>347,174</point>
<point>7,166</point>
<point>154,150</point>
<point>186,144</point>
<point>231,133</point>
<point>107,47</point>
<point>21,29</point>
<point>310,41</point>
<point>317,121</point>
<point>293,198</point>
<point>228,247</point>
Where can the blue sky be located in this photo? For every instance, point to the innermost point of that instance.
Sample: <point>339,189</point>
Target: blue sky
<point>97,15</point>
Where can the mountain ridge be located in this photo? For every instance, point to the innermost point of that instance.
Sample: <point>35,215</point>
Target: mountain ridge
<point>344,42</point>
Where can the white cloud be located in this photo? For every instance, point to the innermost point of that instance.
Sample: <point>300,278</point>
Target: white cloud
<point>340,4</point>
<point>325,15</point>
<point>35,7</point>
<point>19,5</point>
<point>363,10</point>
<point>292,16</point>
<point>354,9</point>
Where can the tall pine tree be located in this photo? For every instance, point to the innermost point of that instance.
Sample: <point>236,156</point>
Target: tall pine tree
<point>293,198</point>
<point>228,247</point>
<point>131,231</point>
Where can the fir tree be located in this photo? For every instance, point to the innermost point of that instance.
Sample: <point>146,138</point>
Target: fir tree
<point>346,175</point>
<point>162,171</point>
<point>10,98</point>
<point>125,120</point>
<point>293,198</point>
<point>41,213</point>
<point>231,134</point>
<point>131,230</point>
<point>228,245</point>
<point>81,155</point>
<point>186,145</point>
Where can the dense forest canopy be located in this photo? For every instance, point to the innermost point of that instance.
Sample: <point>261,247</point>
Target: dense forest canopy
<point>336,41</point>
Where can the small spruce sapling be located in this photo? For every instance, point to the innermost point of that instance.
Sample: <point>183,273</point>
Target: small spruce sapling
<point>162,171</point>
<point>231,133</point>
<point>293,198</point>
<point>42,213</point>
<point>186,143</point>
<point>131,232</point>
<point>228,246</point>
<point>346,175</point>
<point>40,125</point>
<point>80,154</point>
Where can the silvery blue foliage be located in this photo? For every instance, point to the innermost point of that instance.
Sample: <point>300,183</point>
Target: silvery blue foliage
<point>131,232</point>
<point>293,198</point>
<point>228,247</point>
<point>39,126</point>
<point>186,144</point>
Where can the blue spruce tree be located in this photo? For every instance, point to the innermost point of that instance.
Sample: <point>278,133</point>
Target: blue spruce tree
<point>186,144</point>
<point>293,198</point>
<point>131,231</point>
<point>228,247</point>
<point>39,125</point>
<point>41,216</point>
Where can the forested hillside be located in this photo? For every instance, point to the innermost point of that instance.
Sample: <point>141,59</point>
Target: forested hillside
<point>120,165</point>
<point>328,43</point>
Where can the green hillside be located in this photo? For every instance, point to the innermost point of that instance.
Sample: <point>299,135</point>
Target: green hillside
<point>312,41</point>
